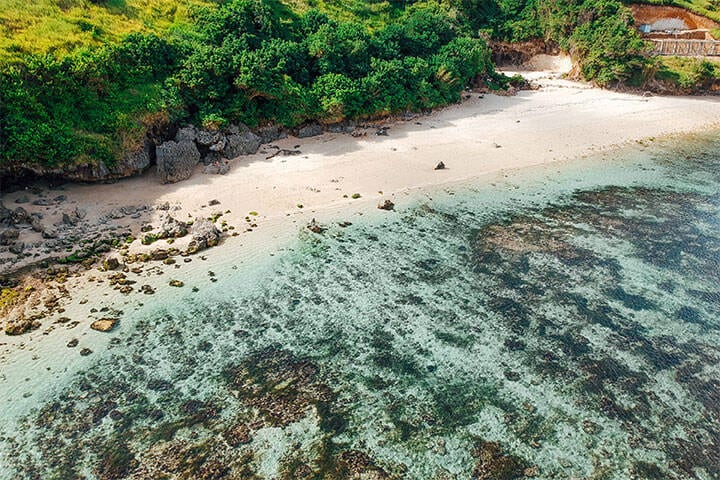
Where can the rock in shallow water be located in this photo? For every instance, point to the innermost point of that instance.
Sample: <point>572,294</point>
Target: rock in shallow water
<point>386,205</point>
<point>104,324</point>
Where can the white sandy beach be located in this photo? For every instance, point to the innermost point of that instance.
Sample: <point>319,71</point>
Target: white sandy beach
<point>562,120</point>
<point>484,135</point>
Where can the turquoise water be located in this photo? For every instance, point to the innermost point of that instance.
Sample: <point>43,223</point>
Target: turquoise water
<point>561,322</point>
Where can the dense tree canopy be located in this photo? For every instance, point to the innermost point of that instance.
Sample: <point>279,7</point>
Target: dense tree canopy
<point>243,62</point>
<point>257,62</point>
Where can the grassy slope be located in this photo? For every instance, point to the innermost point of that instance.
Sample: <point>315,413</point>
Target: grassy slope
<point>60,26</point>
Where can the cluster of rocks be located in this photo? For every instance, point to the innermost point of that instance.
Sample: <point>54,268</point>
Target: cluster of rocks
<point>176,159</point>
<point>204,233</point>
<point>13,221</point>
<point>64,232</point>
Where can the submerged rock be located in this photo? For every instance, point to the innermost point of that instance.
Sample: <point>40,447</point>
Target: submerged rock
<point>315,227</point>
<point>386,205</point>
<point>494,464</point>
<point>104,324</point>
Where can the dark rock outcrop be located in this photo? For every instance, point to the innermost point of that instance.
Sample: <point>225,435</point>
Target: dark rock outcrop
<point>6,216</point>
<point>132,163</point>
<point>310,130</point>
<point>176,161</point>
<point>386,205</point>
<point>241,143</point>
<point>186,134</point>
<point>175,155</point>
<point>270,133</point>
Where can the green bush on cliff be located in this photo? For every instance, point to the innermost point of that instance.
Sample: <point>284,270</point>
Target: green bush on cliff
<point>246,60</point>
<point>87,105</point>
<point>258,62</point>
<point>599,34</point>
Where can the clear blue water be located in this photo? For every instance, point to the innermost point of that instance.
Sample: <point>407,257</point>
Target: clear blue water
<point>563,322</point>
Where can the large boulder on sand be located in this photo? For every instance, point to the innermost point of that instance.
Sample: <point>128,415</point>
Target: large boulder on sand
<point>176,160</point>
<point>133,162</point>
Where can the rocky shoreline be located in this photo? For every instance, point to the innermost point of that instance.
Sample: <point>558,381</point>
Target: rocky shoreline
<point>39,257</point>
<point>45,239</point>
<point>175,151</point>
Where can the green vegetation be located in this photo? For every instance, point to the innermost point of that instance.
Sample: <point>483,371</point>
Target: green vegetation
<point>599,34</point>
<point>8,298</point>
<point>52,26</point>
<point>687,73</point>
<point>92,93</point>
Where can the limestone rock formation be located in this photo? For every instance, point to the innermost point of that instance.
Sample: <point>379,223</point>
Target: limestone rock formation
<point>176,160</point>
<point>309,130</point>
<point>204,234</point>
<point>241,143</point>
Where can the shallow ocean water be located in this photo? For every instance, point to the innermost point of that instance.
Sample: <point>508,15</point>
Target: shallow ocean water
<point>560,322</point>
